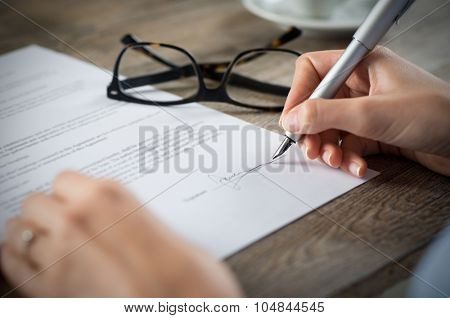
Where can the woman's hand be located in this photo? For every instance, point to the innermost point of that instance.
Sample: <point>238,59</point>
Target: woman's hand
<point>387,105</point>
<point>92,238</point>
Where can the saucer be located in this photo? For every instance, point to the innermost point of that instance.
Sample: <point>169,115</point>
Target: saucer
<point>343,21</point>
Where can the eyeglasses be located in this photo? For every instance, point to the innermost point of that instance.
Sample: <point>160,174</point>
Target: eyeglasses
<point>160,74</point>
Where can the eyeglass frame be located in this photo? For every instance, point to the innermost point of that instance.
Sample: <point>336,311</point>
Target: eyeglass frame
<point>203,94</point>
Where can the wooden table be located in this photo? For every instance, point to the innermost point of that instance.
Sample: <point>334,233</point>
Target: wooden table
<point>396,214</point>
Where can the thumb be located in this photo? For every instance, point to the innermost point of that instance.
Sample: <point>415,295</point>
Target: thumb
<point>313,116</point>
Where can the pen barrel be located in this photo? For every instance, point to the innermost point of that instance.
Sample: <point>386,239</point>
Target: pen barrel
<point>340,71</point>
<point>369,33</point>
<point>382,16</point>
<point>375,25</point>
<point>336,76</point>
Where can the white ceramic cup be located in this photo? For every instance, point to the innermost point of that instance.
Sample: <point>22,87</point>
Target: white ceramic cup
<point>327,9</point>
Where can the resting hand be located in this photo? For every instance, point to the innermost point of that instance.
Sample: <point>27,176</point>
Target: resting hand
<point>387,105</point>
<point>92,238</point>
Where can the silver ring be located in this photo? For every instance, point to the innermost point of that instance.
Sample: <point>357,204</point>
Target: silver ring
<point>27,237</point>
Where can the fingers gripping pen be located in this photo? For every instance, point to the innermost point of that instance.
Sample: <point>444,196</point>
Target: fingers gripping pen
<point>376,24</point>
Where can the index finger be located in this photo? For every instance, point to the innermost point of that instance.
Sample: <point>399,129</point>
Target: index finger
<point>310,68</point>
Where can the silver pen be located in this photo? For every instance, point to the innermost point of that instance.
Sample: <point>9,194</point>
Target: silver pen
<point>383,15</point>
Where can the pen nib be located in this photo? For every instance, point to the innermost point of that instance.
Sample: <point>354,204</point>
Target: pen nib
<point>276,156</point>
<point>287,142</point>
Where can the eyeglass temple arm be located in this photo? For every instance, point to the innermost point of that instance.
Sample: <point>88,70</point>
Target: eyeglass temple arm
<point>257,86</point>
<point>291,34</point>
<point>128,39</point>
<point>210,72</point>
<point>188,70</point>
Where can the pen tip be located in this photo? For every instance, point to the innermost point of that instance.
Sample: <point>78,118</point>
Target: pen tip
<point>287,142</point>
<point>276,155</point>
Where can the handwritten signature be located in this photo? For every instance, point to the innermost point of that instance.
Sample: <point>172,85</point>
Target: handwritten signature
<point>232,181</point>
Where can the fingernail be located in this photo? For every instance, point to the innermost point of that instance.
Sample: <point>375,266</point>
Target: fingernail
<point>308,153</point>
<point>327,157</point>
<point>290,121</point>
<point>355,169</point>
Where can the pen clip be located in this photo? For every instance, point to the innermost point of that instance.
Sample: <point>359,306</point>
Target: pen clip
<point>405,8</point>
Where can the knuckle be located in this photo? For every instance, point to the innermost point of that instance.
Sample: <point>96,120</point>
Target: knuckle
<point>381,56</point>
<point>110,188</point>
<point>66,223</point>
<point>106,189</point>
<point>93,191</point>
<point>299,60</point>
<point>381,52</point>
<point>98,192</point>
<point>64,175</point>
<point>108,185</point>
<point>380,49</point>
<point>302,59</point>
<point>73,215</point>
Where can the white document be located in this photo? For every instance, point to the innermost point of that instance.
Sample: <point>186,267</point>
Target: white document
<point>207,172</point>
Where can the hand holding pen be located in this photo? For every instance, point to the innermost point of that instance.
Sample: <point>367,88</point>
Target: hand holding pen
<point>375,25</point>
<point>387,105</point>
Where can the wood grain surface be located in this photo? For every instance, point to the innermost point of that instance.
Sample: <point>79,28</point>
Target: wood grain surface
<point>357,245</point>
